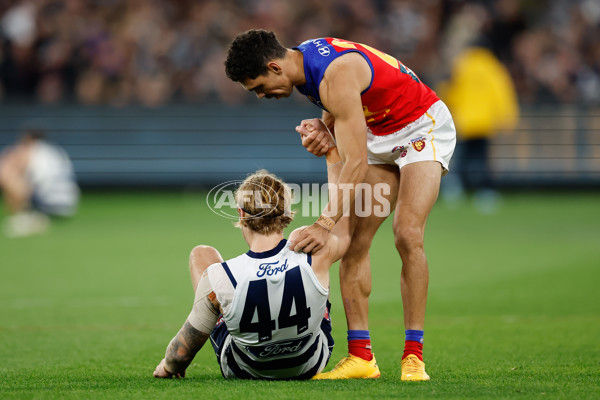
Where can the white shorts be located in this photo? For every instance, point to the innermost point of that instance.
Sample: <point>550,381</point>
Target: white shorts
<point>432,137</point>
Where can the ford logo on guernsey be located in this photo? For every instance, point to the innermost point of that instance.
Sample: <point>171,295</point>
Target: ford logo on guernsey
<point>324,51</point>
<point>285,347</point>
<point>271,268</point>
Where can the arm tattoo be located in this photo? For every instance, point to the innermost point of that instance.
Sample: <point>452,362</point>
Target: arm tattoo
<point>183,348</point>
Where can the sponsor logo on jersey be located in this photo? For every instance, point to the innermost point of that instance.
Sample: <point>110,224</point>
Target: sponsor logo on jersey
<point>322,47</point>
<point>324,51</point>
<point>271,268</point>
<point>418,144</point>
<point>281,348</point>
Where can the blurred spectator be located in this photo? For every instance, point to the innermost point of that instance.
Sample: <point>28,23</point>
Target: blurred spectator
<point>37,181</point>
<point>482,100</point>
<point>481,96</point>
<point>152,52</point>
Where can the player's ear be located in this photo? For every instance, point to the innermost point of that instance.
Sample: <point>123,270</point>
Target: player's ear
<point>275,67</point>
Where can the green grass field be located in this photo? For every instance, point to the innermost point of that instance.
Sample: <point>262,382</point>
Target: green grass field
<point>514,303</point>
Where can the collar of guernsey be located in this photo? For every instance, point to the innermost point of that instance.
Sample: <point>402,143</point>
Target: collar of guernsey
<point>269,253</point>
<point>318,54</point>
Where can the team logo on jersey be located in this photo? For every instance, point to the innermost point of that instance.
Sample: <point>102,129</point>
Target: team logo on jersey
<point>281,348</point>
<point>324,51</point>
<point>418,144</point>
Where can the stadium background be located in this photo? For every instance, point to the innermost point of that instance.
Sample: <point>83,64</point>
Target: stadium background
<point>135,92</point>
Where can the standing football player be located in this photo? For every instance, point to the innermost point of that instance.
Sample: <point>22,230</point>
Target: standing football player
<point>389,128</point>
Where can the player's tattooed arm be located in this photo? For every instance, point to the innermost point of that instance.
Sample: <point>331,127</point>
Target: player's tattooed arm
<point>183,348</point>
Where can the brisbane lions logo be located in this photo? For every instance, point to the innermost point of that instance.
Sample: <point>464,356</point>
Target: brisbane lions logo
<point>418,144</point>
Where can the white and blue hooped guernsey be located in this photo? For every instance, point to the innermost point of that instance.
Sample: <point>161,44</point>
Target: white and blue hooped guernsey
<point>274,316</point>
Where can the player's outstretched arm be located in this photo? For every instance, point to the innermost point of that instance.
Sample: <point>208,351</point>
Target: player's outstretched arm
<point>339,238</point>
<point>180,352</point>
<point>340,91</point>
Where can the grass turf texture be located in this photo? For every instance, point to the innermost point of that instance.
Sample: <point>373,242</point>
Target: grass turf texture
<point>87,310</point>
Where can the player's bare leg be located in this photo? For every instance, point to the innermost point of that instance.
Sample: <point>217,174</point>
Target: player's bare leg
<point>201,258</point>
<point>355,280</point>
<point>418,191</point>
<point>16,191</point>
<point>355,267</point>
<point>13,182</point>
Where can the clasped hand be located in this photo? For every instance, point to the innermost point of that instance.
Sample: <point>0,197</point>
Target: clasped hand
<point>316,138</point>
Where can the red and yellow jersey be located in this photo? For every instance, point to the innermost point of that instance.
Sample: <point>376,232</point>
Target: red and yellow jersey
<point>395,97</point>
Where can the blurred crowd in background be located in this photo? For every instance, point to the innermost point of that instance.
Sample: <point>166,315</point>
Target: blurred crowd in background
<point>153,52</point>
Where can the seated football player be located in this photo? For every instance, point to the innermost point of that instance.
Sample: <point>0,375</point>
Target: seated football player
<point>266,311</point>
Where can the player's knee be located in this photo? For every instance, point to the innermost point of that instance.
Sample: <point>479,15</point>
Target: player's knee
<point>358,247</point>
<point>202,256</point>
<point>408,238</point>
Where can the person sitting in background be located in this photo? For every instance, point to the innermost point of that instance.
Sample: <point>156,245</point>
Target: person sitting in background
<point>37,181</point>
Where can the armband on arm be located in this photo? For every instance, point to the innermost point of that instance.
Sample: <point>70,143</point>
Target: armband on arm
<point>326,222</point>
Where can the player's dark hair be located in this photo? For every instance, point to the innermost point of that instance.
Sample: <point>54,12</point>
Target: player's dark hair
<point>32,134</point>
<point>249,54</point>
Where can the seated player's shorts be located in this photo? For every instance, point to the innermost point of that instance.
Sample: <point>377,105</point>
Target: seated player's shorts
<point>432,137</point>
<point>58,197</point>
<point>218,339</point>
<point>55,207</point>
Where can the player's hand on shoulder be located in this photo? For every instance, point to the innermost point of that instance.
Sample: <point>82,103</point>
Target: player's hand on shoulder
<point>316,138</point>
<point>294,235</point>
<point>161,371</point>
<point>310,239</point>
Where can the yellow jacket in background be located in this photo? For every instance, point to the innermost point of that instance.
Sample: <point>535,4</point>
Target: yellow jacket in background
<point>480,95</point>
